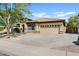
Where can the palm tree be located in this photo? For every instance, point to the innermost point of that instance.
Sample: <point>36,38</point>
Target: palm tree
<point>12,15</point>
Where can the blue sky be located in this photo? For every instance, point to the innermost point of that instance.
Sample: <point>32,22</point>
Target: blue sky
<point>53,10</point>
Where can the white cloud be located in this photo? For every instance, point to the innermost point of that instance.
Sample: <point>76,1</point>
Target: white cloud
<point>59,15</point>
<point>63,14</point>
<point>55,13</point>
<point>40,15</point>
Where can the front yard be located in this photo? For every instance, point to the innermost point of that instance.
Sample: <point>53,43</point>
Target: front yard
<point>42,44</point>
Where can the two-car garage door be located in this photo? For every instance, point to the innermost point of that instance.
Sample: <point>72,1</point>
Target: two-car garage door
<point>49,30</point>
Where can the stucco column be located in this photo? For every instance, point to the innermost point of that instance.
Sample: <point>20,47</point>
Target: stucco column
<point>61,29</point>
<point>36,27</point>
<point>78,29</point>
<point>26,27</point>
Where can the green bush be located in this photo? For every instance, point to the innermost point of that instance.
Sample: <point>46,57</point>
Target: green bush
<point>17,30</point>
<point>1,28</point>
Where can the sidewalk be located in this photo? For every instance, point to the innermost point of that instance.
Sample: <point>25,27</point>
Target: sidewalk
<point>16,49</point>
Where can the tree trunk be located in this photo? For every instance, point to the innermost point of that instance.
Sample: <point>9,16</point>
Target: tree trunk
<point>8,26</point>
<point>7,21</point>
<point>12,31</point>
<point>8,31</point>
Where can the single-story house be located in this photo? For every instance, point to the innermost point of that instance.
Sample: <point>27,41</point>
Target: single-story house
<point>44,25</point>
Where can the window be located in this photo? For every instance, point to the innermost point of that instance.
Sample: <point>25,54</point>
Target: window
<point>47,26</point>
<point>52,25</point>
<point>55,25</point>
<point>41,26</point>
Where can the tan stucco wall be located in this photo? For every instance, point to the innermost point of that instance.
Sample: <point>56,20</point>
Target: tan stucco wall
<point>78,29</point>
<point>37,27</point>
<point>62,29</point>
<point>51,29</point>
<point>47,29</point>
<point>26,28</point>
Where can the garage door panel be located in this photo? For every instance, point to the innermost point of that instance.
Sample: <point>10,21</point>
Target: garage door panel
<point>49,30</point>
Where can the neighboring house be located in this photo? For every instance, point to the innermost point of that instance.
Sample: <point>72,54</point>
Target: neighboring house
<point>44,25</point>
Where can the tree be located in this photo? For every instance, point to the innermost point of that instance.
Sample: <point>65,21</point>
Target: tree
<point>73,23</point>
<point>12,14</point>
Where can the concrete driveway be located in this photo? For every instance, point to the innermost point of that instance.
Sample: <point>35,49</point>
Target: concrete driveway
<point>37,44</point>
<point>45,40</point>
<point>16,49</point>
